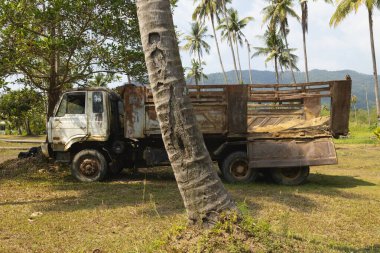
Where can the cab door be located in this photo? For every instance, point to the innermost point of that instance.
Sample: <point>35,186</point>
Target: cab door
<point>70,121</point>
<point>97,115</point>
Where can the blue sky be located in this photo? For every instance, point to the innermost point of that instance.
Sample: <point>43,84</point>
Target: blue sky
<point>344,47</point>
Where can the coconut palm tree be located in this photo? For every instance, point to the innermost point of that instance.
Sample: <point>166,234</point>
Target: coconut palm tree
<point>249,60</point>
<point>275,50</point>
<point>234,28</point>
<point>344,8</point>
<point>305,28</point>
<point>276,14</point>
<point>272,49</point>
<point>204,195</point>
<point>196,71</point>
<point>225,14</point>
<point>211,10</point>
<point>195,41</point>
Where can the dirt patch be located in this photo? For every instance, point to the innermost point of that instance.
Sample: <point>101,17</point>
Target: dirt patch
<point>234,233</point>
<point>14,167</point>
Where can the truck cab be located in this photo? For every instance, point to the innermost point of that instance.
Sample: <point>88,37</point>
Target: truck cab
<point>85,119</point>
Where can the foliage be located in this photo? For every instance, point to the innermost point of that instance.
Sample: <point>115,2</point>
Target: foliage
<point>196,71</point>
<point>24,109</point>
<point>53,44</point>
<point>377,133</point>
<point>195,41</point>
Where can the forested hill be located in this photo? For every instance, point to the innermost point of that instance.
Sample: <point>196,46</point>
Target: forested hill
<point>359,80</point>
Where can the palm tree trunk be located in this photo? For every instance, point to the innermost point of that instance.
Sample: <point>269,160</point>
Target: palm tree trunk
<point>276,69</point>
<point>366,99</point>
<point>304,6</point>
<point>217,47</point>
<point>200,65</point>
<point>238,57</point>
<point>202,191</point>
<point>290,58</point>
<point>230,39</point>
<point>249,63</point>
<point>370,21</point>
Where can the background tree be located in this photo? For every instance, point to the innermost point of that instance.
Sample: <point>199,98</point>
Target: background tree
<point>249,61</point>
<point>53,44</point>
<point>24,110</point>
<point>234,29</point>
<point>276,14</point>
<point>196,71</point>
<point>344,8</point>
<point>272,50</point>
<point>210,9</point>
<point>201,189</point>
<point>195,41</point>
<point>354,100</point>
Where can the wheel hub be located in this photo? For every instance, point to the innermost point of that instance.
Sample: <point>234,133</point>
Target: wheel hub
<point>239,169</point>
<point>89,167</point>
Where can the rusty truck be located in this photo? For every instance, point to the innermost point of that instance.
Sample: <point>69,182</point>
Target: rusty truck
<point>275,129</point>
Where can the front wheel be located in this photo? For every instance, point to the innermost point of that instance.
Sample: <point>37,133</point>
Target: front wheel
<point>89,165</point>
<point>235,168</point>
<point>290,176</point>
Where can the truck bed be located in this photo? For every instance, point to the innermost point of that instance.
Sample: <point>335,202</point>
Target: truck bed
<point>259,111</point>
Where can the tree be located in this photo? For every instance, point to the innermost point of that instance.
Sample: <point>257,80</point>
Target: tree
<point>195,41</point>
<point>274,50</point>
<point>277,14</point>
<point>24,109</point>
<point>210,9</point>
<point>196,71</point>
<point>53,44</point>
<point>249,61</point>
<point>225,14</point>
<point>234,29</point>
<point>305,28</point>
<point>202,191</point>
<point>354,100</point>
<point>344,8</point>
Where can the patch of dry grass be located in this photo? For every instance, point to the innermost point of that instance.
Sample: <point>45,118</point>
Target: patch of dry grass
<point>336,211</point>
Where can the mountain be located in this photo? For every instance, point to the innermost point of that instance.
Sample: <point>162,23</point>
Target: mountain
<point>359,80</point>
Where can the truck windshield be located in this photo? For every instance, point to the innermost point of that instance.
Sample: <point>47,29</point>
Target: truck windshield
<point>72,103</point>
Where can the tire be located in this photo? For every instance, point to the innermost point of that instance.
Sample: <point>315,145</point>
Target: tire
<point>115,168</point>
<point>89,165</point>
<point>235,168</point>
<point>290,176</point>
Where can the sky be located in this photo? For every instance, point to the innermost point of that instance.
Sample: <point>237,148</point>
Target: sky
<point>346,46</point>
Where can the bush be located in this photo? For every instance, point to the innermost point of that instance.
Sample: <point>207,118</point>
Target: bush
<point>377,133</point>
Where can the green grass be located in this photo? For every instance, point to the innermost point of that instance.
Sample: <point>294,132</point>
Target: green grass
<point>336,211</point>
<point>359,134</point>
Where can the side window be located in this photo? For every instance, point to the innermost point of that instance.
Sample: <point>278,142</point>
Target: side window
<point>72,103</point>
<point>97,102</point>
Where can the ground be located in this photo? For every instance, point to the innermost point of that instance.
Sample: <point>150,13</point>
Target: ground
<point>43,209</point>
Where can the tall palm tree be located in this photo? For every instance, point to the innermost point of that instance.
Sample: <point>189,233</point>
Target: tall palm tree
<point>225,14</point>
<point>305,28</point>
<point>196,71</point>
<point>203,193</point>
<point>234,28</point>
<point>211,9</point>
<point>344,8</point>
<point>274,50</point>
<point>249,61</point>
<point>195,41</point>
<point>277,14</point>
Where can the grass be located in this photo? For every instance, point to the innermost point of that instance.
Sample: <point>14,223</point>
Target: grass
<point>336,211</point>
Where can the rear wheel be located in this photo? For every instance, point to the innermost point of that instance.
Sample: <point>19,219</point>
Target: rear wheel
<point>89,165</point>
<point>290,176</point>
<point>235,168</point>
